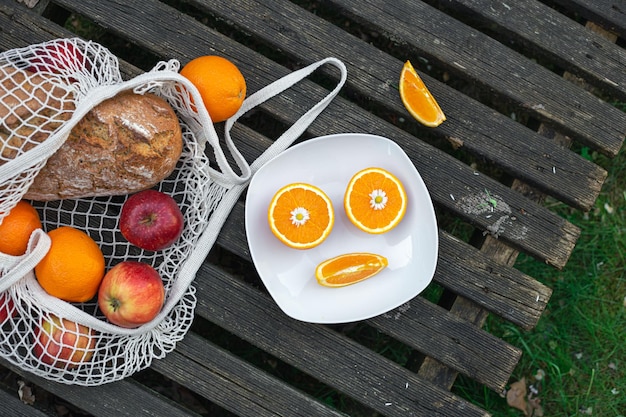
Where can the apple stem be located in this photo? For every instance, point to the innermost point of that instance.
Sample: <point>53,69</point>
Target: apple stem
<point>114,303</point>
<point>148,220</point>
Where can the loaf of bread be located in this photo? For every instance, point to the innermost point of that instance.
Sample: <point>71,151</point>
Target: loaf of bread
<point>31,107</point>
<point>123,145</point>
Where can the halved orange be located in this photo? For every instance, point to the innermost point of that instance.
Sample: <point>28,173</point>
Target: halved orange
<point>301,215</point>
<point>349,268</point>
<point>417,99</point>
<point>375,200</point>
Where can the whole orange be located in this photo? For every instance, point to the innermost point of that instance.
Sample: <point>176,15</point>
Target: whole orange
<point>220,83</point>
<point>73,267</point>
<point>16,228</point>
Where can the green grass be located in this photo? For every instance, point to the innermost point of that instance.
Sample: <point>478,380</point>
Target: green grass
<point>579,341</point>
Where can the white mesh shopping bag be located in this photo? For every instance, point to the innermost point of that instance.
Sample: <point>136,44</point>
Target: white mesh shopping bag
<point>37,113</point>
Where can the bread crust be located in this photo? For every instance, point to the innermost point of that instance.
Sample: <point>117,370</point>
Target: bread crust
<point>31,107</point>
<point>125,144</point>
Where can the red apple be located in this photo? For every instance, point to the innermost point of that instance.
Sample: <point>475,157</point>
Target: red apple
<point>131,294</point>
<point>151,220</point>
<point>7,308</point>
<point>63,343</point>
<point>55,56</point>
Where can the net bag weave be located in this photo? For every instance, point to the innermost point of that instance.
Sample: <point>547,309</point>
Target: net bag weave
<point>82,74</point>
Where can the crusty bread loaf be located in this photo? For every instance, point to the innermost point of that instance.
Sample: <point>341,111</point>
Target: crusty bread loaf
<point>125,144</point>
<point>31,107</point>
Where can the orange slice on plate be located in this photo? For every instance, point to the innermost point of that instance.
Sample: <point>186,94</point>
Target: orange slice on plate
<point>349,268</point>
<point>375,200</point>
<point>301,215</point>
<point>417,99</point>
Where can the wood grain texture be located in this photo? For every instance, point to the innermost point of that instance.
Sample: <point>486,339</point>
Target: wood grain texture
<point>11,405</point>
<point>461,268</point>
<point>125,397</point>
<point>483,279</point>
<point>234,384</point>
<point>438,372</point>
<point>610,14</point>
<point>545,235</point>
<point>471,126</point>
<point>471,55</point>
<point>329,356</point>
<point>554,37</point>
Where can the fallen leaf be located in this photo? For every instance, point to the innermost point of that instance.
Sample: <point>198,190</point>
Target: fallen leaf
<point>516,396</point>
<point>535,408</point>
<point>25,393</point>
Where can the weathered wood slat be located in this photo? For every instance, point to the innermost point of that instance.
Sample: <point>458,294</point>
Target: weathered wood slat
<point>234,384</point>
<point>466,306</point>
<point>420,323</point>
<point>470,54</point>
<point>504,291</point>
<point>242,240</point>
<point>322,352</point>
<point>125,397</point>
<point>458,179</point>
<point>10,405</point>
<point>562,41</point>
<point>253,316</point>
<point>437,372</point>
<point>15,29</point>
<point>417,324</point>
<point>555,252</point>
<point>477,411</point>
<point>461,268</point>
<point>498,288</point>
<point>470,125</point>
<point>452,184</point>
<point>610,14</point>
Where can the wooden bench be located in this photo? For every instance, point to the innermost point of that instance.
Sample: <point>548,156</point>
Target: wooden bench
<point>497,70</point>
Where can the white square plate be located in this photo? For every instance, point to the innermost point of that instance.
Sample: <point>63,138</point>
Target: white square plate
<point>329,162</point>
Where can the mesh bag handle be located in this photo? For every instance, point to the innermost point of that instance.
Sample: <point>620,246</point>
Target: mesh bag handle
<point>283,142</point>
<point>207,194</point>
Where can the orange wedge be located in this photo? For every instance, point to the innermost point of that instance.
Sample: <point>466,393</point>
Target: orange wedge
<point>301,215</point>
<point>417,99</point>
<point>349,268</point>
<point>375,200</point>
